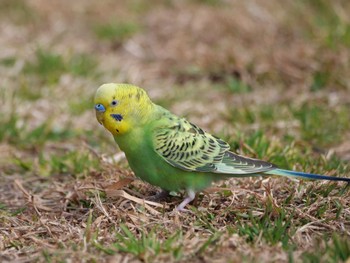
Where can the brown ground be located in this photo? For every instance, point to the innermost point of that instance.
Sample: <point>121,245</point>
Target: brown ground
<point>60,199</point>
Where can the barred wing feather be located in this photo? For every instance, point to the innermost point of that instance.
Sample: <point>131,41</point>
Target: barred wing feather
<point>186,146</point>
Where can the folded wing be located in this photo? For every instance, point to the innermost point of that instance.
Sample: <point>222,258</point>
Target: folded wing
<point>186,146</point>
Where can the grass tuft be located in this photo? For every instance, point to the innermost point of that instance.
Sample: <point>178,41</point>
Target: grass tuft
<point>337,249</point>
<point>50,66</point>
<point>116,31</point>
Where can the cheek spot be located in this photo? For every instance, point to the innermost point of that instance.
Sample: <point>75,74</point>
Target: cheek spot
<point>117,130</point>
<point>117,117</point>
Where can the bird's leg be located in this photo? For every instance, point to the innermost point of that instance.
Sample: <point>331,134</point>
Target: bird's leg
<point>190,196</point>
<point>163,194</point>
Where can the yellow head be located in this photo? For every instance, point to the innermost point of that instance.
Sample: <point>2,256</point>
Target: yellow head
<point>121,107</point>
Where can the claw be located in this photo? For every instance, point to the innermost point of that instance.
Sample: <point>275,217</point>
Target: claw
<point>163,194</point>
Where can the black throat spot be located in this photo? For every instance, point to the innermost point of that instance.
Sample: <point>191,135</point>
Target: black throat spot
<point>117,117</point>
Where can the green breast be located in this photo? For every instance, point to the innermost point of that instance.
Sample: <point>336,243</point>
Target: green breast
<point>152,168</point>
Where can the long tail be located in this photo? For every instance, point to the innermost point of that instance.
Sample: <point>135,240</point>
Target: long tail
<point>306,175</point>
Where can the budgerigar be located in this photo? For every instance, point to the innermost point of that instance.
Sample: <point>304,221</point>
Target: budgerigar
<point>170,152</point>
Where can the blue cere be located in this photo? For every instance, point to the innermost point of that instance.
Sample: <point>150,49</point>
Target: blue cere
<point>100,108</point>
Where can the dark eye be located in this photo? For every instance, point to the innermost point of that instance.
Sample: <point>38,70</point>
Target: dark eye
<point>114,103</point>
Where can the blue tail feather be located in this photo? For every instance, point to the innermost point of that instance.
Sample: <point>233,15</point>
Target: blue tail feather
<point>307,175</point>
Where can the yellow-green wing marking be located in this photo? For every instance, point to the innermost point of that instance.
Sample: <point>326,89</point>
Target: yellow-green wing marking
<point>186,146</point>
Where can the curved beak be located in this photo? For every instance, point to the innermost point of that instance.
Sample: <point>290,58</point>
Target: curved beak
<point>99,117</point>
<point>99,109</point>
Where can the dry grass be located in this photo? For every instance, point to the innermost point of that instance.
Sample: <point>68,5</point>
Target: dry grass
<point>273,80</point>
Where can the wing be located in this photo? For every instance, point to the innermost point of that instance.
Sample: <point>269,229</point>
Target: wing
<point>186,146</point>
<point>236,164</point>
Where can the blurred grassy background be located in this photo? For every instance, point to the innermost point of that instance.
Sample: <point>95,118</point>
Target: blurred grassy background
<point>270,77</point>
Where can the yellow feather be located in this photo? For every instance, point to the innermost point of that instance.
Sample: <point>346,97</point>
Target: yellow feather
<point>132,104</point>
